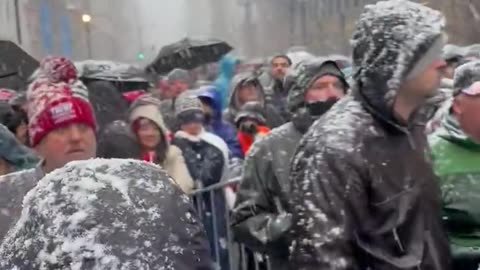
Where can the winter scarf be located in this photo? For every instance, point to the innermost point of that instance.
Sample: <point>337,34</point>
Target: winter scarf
<point>247,139</point>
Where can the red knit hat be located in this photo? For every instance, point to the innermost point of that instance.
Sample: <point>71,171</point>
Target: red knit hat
<point>53,106</point>
<point>58,69</point>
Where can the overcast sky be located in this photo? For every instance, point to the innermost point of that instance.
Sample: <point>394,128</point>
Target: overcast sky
<point>162,22</point>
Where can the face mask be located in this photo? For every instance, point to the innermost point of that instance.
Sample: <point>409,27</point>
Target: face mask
<point>320,107</point>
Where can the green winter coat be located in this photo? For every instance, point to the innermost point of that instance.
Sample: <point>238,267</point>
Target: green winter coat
<point>457,163</point>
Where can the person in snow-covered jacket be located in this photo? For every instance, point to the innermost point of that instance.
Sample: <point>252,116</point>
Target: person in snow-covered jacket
<point>62,129</point>
<point>212,106</point>
<point>247,88</point>
<point>178,82</point>
<point>261,218</point>
<point>107,214</point>
<point>153,138</point>
<point>14,156</point>
<point>364,195</point>
<point>206,156</point>
<point>456,155</point>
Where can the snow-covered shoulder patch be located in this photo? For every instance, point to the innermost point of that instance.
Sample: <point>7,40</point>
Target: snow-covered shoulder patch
<point>102,214</point>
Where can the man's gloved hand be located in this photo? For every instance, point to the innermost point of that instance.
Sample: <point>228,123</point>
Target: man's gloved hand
<point>278,226</point>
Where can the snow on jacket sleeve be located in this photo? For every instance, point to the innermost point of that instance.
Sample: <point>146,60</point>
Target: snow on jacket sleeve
<point>327,196</point>
<point>256,221</point>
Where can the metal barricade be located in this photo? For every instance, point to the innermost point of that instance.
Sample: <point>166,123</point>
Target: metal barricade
<point>211,205</point>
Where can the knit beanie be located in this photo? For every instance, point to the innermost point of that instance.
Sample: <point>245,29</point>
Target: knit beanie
<point>56,98</point>
<point>252,110</point>
<point>52,106</point>
<point>58,69</point>
<point>188,109</point>
<point>465,76</point>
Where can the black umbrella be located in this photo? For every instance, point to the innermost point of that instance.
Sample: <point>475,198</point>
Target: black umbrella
<point>110,71</point>
<point>188,54</point>
<point>16,65</point>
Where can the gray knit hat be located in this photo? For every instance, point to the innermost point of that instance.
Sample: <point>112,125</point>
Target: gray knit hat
<point>253,110</point>
<point>465,76</point>
<point>188,108</point>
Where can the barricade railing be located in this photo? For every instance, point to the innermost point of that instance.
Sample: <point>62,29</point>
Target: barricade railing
<point>211,205</point>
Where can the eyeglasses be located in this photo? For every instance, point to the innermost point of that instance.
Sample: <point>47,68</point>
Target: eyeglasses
<point>472,90</point>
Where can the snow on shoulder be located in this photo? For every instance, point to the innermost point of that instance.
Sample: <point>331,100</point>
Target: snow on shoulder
<point>105,214</point>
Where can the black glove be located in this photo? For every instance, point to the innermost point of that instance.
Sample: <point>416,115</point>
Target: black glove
<point>278,226</point>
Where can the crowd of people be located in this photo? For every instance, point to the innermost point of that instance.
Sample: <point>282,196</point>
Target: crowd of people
<point>313,164</point>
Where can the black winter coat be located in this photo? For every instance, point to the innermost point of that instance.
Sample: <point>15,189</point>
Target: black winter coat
<point>363,195</point>
<point>206,164</point>
<point>260,219</point>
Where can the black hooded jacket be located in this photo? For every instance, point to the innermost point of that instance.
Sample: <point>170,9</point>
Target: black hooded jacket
<point>261,217</point>
<point>363,194</point>
<point>273,117</point>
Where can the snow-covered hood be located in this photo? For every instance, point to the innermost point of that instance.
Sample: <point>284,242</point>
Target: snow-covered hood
<point>305,75</point>
<point>390,38</point>
<point>149,108</point>
<point>234,104</point>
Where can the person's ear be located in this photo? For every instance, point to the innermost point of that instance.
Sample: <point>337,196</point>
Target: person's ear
<point>457,105</point>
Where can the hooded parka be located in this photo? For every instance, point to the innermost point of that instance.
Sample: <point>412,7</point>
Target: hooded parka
<point>261,217</point>
<point>364,195</point>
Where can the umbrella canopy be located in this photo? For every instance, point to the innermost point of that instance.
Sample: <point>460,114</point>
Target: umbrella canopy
<point>107,102</point>
<point>298,57</point>
<point>16,65</point>
<point>341,60</point>
<point>110,71</point>
<point>188,54</point>
<point>107,214</point>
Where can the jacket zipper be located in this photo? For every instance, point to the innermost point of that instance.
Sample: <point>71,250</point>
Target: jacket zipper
<point>397,239</point>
